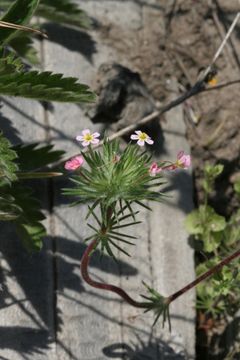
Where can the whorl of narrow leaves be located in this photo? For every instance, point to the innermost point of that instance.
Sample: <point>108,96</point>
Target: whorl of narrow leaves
<point>41,86</point>
<point>114,182</point>
<point>110,179</point>
<point>8,168</point>
<point>19,13</point>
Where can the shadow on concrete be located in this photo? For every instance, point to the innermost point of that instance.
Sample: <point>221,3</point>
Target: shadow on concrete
<point>153,349</point>
<point>11,132</point>
<point>72,39</point>
<point>40,276</point>
<point>34,273</point>
<point>180,182</point>
<point>24,340</point>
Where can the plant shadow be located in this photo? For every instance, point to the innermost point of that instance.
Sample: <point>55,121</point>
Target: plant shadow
<point>72,39</point>
<point>150,349</point>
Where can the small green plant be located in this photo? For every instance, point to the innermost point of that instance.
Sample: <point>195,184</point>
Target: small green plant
<point>111,181</point>
<point>114,183</point>
<point>215,236</point>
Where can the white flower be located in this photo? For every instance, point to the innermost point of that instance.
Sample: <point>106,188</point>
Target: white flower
<point>87,138</point>
<point>142,137</point>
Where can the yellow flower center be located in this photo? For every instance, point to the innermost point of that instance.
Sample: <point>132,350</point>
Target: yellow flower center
<point>179,163</point>
<point>143,136</point>
<point>88,137</point>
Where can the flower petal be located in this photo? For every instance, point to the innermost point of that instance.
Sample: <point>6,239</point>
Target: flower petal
<point>134,137</point>
<point>96,135</point>
<point>154,169</point>
<point>79,159</point>
<point>79,138</point>
<point>95,141</point>
<point>138,132</point>
<point>186,161</point>
<point>141,142</point>
<point>180,154</point>
<point>74,163</point>
<point>149,141</point>
<point>86,131</point>
<point>85,143</point>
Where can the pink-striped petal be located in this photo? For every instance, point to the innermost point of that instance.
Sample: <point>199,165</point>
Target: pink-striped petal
<point>79,138</point>
<point>180,154</point>
<point>96,135</point>
<point>86,131</point>
<point>95,141</point>
<point>74,163</point>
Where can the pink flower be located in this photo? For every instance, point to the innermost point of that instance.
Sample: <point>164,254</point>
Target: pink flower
<point>154,169</point>
<point>183,161</point>
<point>142,138</point>
<point>87,138</point>
<point>74,163</point>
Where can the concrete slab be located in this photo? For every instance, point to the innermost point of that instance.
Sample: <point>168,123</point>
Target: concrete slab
<point>26,296</point>
<point>172,257</point>
<point>82,323</point>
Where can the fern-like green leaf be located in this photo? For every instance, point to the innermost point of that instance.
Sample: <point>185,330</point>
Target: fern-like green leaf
<point>29,226</point>
<point>34,156</point>
<point>19,13</point>
<point>60,11</point>
<point>9,63</point>
<point>8,167</point>
<point>8,209</point>
<point>63,11</point>
<point>23,46</point>
<point>31,234</point>
<point>41,86</point>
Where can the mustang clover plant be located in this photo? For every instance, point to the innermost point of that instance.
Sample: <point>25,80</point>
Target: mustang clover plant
<point>112,182</point>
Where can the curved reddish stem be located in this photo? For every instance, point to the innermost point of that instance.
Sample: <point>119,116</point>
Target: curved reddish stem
<point>84,271</point>
<point>204,276</point>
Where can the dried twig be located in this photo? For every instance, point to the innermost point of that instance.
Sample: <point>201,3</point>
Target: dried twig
<point>222,45</point>
<point>222,34</point>
<point>9,25</point>
<point>231,43</point>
